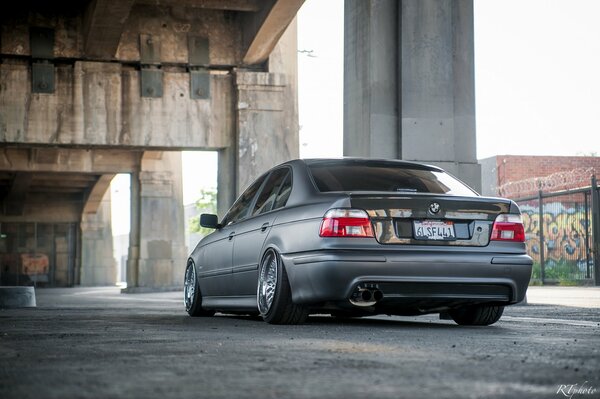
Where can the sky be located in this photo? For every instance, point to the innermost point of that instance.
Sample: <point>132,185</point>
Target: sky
<point>537,79</point>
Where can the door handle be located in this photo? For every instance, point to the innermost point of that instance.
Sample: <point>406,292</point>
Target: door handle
<point>264,226</point>
<point>231,235</point>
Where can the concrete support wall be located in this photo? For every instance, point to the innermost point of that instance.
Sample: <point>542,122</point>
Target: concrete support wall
<point>98,266</point>
<point>157,250</point>
<point>414,100</point>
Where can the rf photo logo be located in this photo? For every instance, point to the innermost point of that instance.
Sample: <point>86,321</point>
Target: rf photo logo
<point>574,390</point>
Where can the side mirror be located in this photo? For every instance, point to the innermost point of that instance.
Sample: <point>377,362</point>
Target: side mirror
<point>209,221</point>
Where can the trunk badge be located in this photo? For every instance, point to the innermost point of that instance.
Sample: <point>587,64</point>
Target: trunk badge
<point>434,208</point>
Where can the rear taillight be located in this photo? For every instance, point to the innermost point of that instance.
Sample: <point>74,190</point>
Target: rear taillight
<point>508,227</point>
<point>346,223</point>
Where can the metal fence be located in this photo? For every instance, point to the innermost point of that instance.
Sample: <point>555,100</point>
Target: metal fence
<point>562,236</point>
<point>40,254</point>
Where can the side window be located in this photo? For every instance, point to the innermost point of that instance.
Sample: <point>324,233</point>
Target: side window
<point>240,207</point>
<point>267,197</point>
<point>284,192</point>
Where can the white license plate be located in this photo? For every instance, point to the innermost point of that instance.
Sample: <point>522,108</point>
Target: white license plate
<point>434,230</point>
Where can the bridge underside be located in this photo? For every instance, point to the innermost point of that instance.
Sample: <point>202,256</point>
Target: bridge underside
<point>96,88</point>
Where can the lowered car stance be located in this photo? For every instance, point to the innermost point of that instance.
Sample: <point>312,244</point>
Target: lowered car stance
<point>360,237</point>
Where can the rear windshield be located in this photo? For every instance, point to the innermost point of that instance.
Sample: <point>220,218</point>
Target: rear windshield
<point>385,177</point>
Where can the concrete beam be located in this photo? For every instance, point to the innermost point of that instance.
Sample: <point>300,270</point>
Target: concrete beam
<point>56,208</point>
<point>229,5</point>
<point>99,104</point>
<point>44,160</point>
<point>96,194</point>
<point>262,30</point>
<point>103,24</point>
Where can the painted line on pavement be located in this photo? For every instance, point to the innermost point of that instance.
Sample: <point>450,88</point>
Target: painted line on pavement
<point>581,323</point>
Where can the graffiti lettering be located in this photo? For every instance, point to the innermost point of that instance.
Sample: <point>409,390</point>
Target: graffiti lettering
<point>564,231</point>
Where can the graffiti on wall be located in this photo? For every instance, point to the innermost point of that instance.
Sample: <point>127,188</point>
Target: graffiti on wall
<point>564,231</point>
<point>34,263</point>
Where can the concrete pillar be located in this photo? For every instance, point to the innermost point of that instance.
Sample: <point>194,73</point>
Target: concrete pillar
<point>433,110</point>
<point>267,125</point>
<point>370,79</point>
<point>266,113</point>
<point>98,266</point>
<point>226,179</point>
<point>133,253</point>
<point>157,208</point>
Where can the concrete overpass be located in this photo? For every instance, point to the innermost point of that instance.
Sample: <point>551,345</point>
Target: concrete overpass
<point>93,88</point>
<point>89,89</point>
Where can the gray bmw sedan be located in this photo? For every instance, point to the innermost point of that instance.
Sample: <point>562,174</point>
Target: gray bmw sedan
<point>359,237</point>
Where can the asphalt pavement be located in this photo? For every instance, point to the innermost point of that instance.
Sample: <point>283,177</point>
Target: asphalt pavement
<point>98,343</point>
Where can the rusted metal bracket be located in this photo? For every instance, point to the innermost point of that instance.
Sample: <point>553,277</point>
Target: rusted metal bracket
<point>198,62</point>
<point>151,76</point>
<point>41,43</point>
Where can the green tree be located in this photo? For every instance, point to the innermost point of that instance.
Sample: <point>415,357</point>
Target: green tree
<point>207,203</point>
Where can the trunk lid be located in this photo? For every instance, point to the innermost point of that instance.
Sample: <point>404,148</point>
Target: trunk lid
<point>428,219</point>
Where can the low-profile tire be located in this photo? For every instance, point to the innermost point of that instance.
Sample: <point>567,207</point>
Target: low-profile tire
<point>479,315</point>
<point>192,297</point>
<point>274,296</point>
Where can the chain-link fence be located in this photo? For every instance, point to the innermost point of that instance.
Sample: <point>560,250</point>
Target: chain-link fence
<point>560,236</point>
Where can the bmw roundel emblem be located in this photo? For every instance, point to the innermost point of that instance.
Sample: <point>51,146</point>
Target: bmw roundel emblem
<point>434,207</point>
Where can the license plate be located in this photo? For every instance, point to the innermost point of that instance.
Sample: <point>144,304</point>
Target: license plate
<point>434,230</point>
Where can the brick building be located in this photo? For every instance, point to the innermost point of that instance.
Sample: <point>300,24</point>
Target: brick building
<point>517,176</point>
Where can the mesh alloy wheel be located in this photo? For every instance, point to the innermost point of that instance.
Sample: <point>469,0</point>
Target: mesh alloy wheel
<point>189,286</point>
<point>267,282</point>
<point>192,297</point>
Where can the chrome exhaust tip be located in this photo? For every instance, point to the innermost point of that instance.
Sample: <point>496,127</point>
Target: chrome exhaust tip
<point>377,295</point>
<point>365,297</point>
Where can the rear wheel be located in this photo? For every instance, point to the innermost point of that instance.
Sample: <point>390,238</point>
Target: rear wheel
<point>274,295</point>
<point>191,293</point>
<point>480,315</point>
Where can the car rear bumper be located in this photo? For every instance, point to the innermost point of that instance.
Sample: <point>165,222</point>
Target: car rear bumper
<point>459,277</point>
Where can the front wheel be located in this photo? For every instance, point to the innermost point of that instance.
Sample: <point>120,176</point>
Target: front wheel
<point>480,315</point>
<point>191,293</point>
<point>274,295</point>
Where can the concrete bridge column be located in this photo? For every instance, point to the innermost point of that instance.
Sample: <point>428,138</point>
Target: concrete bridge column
<point>157,245</point>
<point>409,88</point>
<point>98,266</point>
<point>266,130</point>
<point>266,133</point>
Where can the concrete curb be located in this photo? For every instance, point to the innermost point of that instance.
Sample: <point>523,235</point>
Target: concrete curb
<point>17,297</point>
<point>150,290</point>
